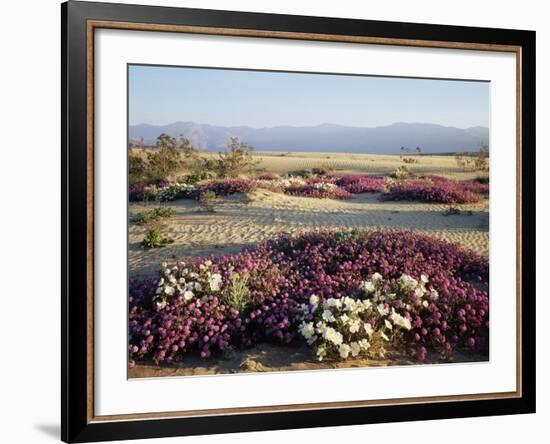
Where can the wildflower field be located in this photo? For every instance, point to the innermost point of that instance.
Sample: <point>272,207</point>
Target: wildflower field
<point>336,268</point>
<point>345,292</point>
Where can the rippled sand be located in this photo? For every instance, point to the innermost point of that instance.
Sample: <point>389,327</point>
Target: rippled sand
<point>244,220</point>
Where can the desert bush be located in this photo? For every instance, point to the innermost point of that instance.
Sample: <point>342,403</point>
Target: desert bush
<point>207,199</point>
<point>165,161</point>
<point>190,156</point>
<point>439,288</point>
<point>142,192</point>
<point>154,237</point>
<point>235,160</point>
<point>322,170</point>
<point>481,179</point>
<point>402,172</point>
<point>197,175</point>
<point>474,162</point>
<point>237,292</point>
<point>154,215</point>
<point>137,169</point>
<point>452,211</point>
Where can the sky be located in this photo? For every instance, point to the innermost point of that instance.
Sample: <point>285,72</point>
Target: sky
<point>162,95</point>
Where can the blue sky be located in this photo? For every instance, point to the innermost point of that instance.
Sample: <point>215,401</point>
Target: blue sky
<point>163,95</point>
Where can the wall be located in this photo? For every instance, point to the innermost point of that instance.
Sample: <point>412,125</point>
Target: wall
<point>29,225</point>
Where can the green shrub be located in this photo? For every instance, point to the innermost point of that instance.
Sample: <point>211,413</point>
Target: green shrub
<point>154,215</point>
<point>402,172</point>
<point>198,175</point>
<point>235,160</point>
<point>154,238</point>
<point>238,295</point>
<point>165,161</point>
<point>321,170</point>
<point>474,161</point>
<point>481,179</point>
<point>207,200</point>
<point>137,169</point>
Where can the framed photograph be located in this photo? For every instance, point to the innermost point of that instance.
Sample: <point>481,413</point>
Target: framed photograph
<point>275,221</point>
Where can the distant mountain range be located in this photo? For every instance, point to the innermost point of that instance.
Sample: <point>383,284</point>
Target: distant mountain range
<point>387,139</point>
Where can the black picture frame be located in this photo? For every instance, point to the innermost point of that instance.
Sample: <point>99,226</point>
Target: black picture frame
<point>76,423</point>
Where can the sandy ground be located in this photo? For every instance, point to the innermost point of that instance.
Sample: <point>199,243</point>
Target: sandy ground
<point>244,220</point>
<point>269,358</point>
<point>360,163</point>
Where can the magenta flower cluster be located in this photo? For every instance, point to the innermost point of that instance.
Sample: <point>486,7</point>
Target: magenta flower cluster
<point>361,184</point>
<point>226,187</point>
<point>311,190</point>
<point>282,274</point>
<point>439,191</point>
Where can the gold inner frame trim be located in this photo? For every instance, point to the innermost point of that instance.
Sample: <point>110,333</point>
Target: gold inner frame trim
<point>92,25</point>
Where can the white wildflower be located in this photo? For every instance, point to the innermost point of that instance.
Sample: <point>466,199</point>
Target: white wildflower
<point>354,326</point>
<point>368,328</point>
<point>364,344</point>
<point>313,299</point>
<point>407,282</point>
<point>367,286</point>
<point>307,330</point>
<point>333,336</point>
<point>382,309</point>
<point>331,302</point>
<point>388,324</point>
<point>169,291</point>
<point>215,281</point>
<point>377,277</point>
<point>344,350</point>
<point>188,295</point>
<point>328,316</point>
<point>355,349</point>
<point>400,321</point>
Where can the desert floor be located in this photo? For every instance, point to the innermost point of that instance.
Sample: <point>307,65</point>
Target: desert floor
<point>269,358</point>
<point>244,220</point>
